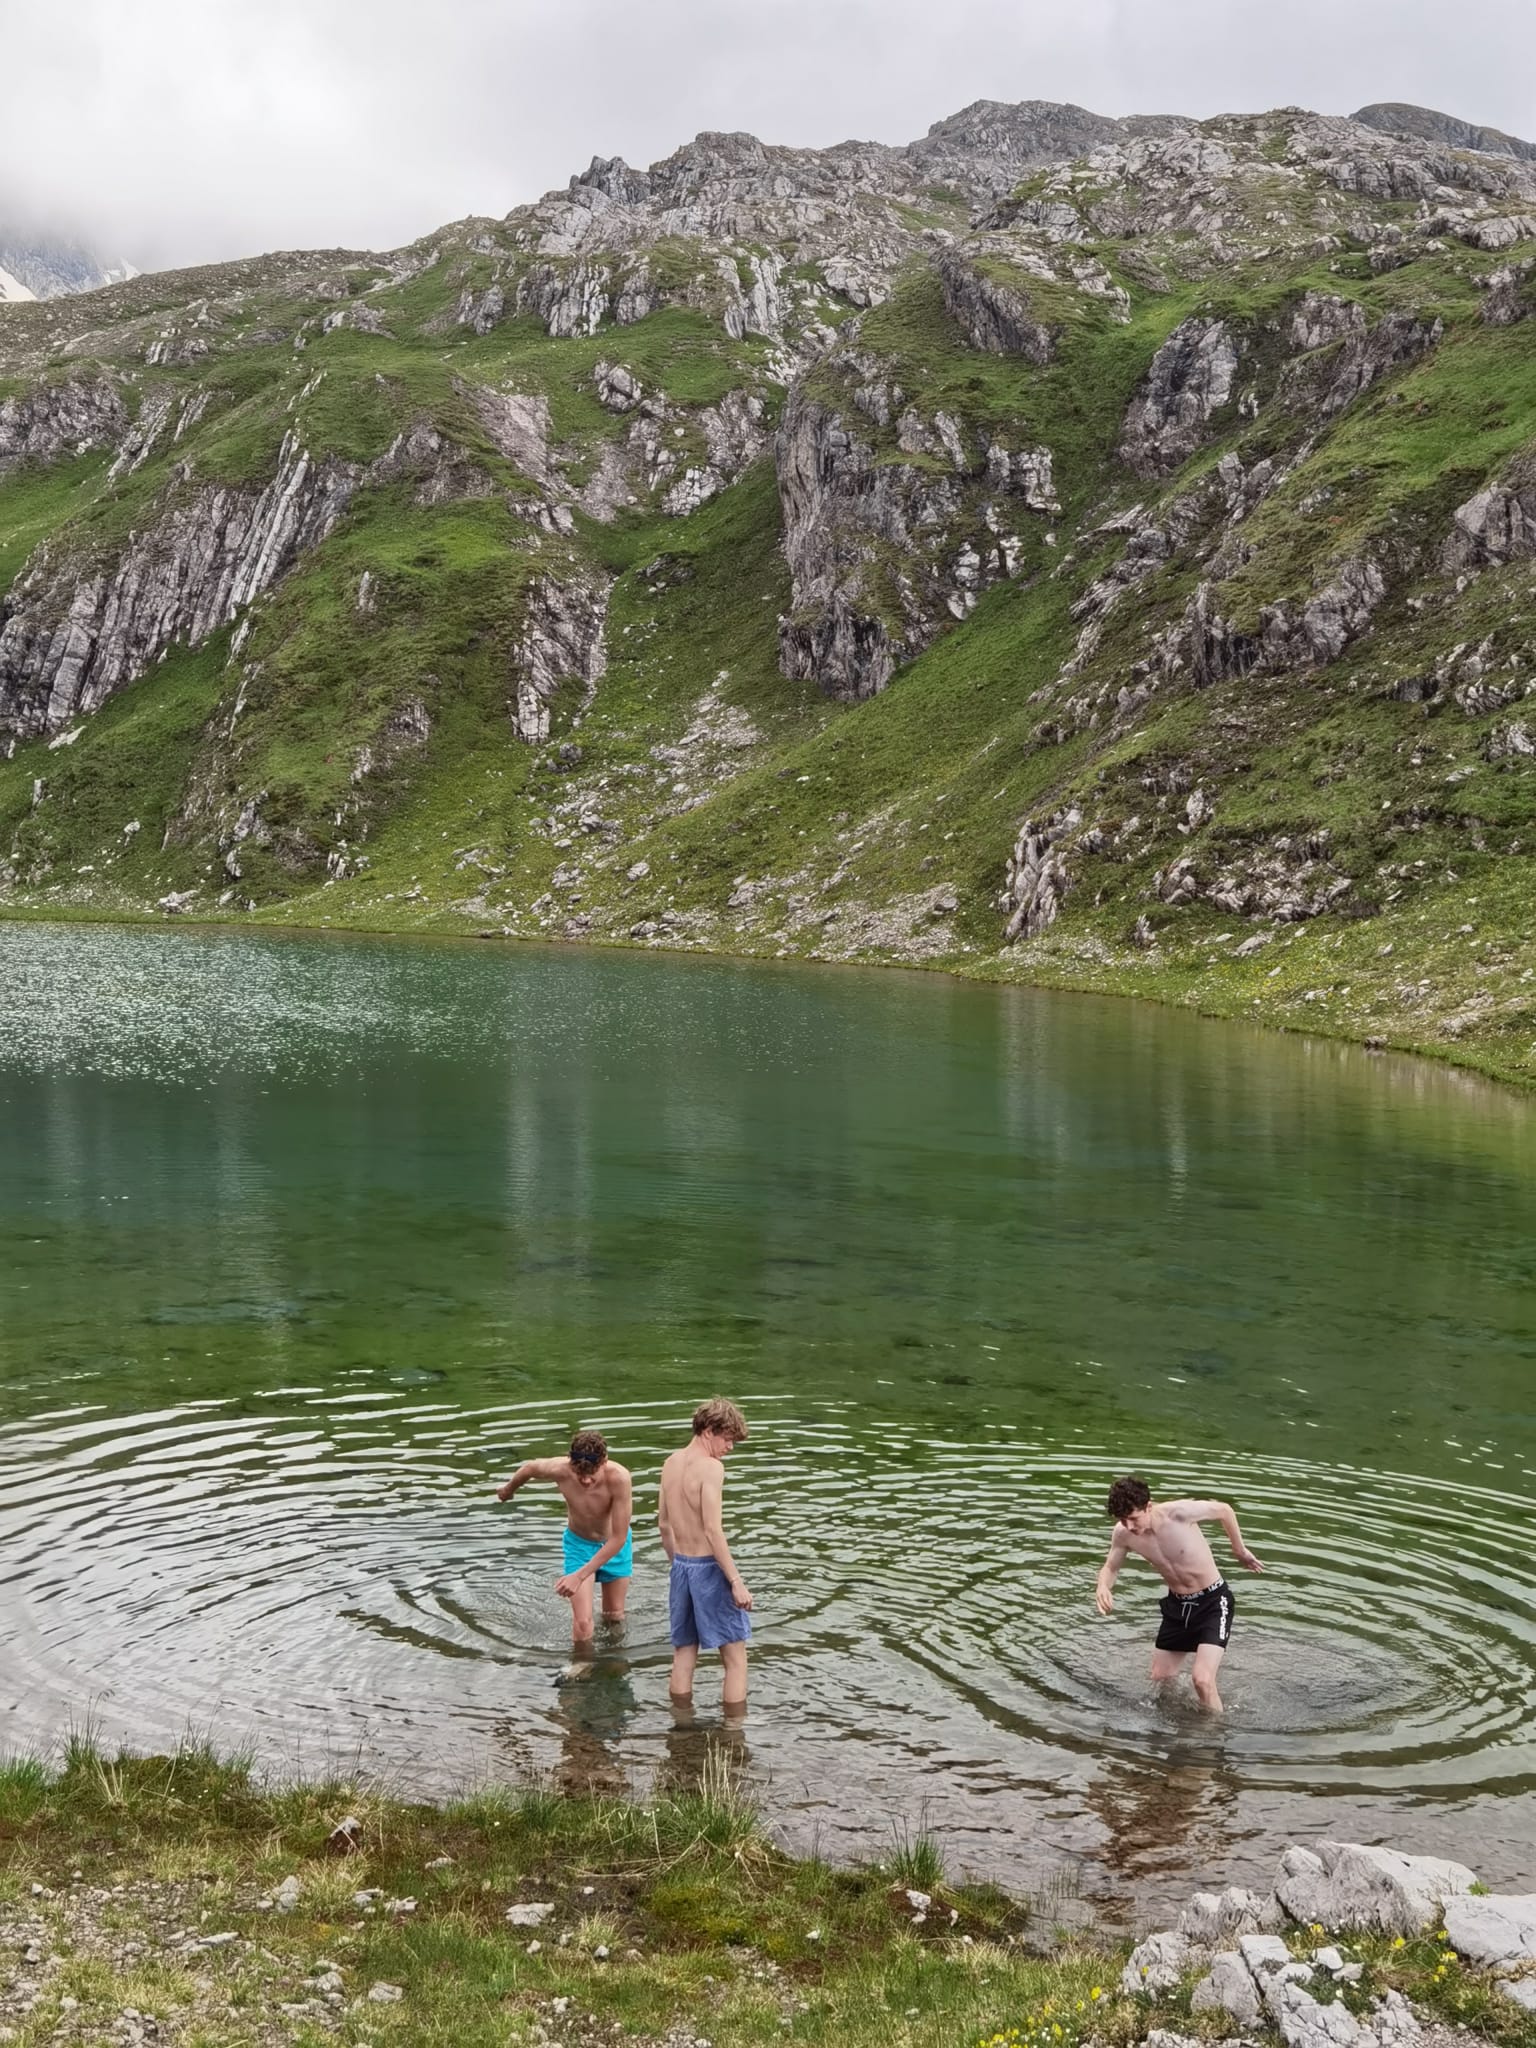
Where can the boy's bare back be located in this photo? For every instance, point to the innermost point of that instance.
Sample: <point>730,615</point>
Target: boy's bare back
<point>690,1485</point>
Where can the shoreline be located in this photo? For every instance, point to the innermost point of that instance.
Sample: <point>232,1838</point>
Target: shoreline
<point>176,1902</point>
<point>1048,975</point>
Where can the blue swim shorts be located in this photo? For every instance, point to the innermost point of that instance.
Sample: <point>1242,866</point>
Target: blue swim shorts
<point>580,1550</point>
<point>700,1608</point>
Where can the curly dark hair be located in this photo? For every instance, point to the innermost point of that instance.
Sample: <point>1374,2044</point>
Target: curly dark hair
<point>588,1448</point>
<point>1126,1496</point>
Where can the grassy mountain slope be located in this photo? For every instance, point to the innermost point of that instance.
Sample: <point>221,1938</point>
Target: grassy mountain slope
<point>1222,705</point>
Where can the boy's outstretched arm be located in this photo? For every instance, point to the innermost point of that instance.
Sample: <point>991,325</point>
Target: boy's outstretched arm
<point>1220,1511</point>
<point>531,1468</point>
<point>1109,1571</point>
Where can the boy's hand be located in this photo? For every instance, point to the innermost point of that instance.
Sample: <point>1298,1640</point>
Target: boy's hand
<point>566,1587</point>
<point>505,1492</point>
<point>740,1594</point>
<point>1103,1599</point>
<point>1247,1558</point>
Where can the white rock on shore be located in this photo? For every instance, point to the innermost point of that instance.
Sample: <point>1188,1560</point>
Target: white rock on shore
<point>1252,1974</point>
<point>1346,1884</point>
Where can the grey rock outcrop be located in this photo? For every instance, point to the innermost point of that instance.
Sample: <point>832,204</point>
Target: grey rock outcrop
<point>56,419</point>
<point>1038,878</point>
<point>561,642</point>
<point>994,316</point>
<point>1508,302</point>
<point>518,426</point>
<point>1229,1988</point>
<point>1289,635</point>
<point>1190,378</point>
<point>884,552</point>
<point>1304,2022</point>
<point>481,311</point>
<point>1327,383</point>
<point>1349,1885</point>
<point>1493,1931</point>
<point>1496,525</point>
<point>70,637</point>
<point>1158,1964</point>
<point>1217,1918</point>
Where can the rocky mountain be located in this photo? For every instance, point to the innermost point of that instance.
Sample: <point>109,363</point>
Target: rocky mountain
<point>1068,550</point>
<point>45,267</point>
<point>1395,117</point>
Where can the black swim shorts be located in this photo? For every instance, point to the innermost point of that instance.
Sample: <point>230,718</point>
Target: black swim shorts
<point>1190,1619</point>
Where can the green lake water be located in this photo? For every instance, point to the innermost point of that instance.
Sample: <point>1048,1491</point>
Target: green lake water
<point>304,1243</point>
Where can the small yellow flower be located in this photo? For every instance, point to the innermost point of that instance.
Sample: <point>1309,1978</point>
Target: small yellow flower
<point>1399,1942</point>
<point>1097,1991</point>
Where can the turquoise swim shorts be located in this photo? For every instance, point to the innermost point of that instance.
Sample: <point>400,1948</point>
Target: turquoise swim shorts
<point>580,1550</point>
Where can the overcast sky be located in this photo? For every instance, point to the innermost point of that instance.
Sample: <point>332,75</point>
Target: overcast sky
<point>178,131</point>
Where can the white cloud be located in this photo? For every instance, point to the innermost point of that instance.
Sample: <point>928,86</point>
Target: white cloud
<point>187,130</point>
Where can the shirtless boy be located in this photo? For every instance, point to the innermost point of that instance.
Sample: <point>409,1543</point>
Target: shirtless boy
<point>708,1598</point>
<point>1198,1606</point>
<point>599,1500</point>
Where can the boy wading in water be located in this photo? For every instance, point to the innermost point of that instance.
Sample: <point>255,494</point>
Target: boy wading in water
<point>1198,1606</point>
<point>708,1598</point>
<point>599,1500</point>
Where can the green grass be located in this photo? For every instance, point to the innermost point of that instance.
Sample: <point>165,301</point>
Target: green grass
<point>36,502</point>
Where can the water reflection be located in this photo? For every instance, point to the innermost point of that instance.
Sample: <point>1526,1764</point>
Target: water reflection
<point>1161,1814</point>
<point>595,1703</point>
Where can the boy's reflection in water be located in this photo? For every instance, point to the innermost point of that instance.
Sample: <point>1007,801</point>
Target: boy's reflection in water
<point>1178,1814</point>
<point>595,1702</point>
<point>704,1752</point>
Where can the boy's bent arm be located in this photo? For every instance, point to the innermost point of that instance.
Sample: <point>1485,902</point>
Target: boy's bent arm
<point>1109,1571</point>
<point>1223,1512</point>
<point>1228,1520</point>
<point>664,1520</point>
<point>713,1504</point>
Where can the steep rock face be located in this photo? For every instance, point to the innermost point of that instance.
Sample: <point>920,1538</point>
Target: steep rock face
<point>994,316</point>
<point>883,552</point>
<point>1289,635</point>
<point>1349,355</point>
<point>1190,379</point>
<point>52,420</point>
<point>561,642</point>
<point>1038,878</point>
<point>1496,525</point>
<point>69,639</point>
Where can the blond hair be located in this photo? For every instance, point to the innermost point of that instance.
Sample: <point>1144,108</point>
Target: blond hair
<point>719,1417</point>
